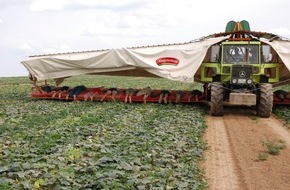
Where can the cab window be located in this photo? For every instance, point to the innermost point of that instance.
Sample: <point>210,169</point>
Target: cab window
<point>240,54</point>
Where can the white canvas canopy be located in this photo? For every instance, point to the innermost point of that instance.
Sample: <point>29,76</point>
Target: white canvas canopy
<point>282,47</point>
<point>177,62</point>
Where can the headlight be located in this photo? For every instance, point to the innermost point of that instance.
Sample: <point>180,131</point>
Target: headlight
<point>249,81</point>
<point>234,81</point>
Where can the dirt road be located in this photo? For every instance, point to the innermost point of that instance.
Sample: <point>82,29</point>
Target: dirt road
<point>235,142</point>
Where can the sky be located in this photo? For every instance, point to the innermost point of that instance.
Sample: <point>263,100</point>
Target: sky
<point>33,27</point>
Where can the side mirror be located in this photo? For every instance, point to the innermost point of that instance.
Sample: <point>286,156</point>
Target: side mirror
<point>267,55</point>
<point>215,51</point>
<point>268,58</point>
<point>216,57</point>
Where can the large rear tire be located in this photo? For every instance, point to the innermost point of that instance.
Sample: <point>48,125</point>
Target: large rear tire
<point>265,100</point>
<point>216,100</point>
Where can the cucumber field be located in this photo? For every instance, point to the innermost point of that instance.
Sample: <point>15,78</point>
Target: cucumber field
<point>53,144</point>
<point>93,145</point>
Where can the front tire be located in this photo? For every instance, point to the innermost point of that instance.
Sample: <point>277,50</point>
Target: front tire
<point>265,100</point>
<point>217,96</point>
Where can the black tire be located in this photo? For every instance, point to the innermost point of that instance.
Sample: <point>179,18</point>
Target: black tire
<point>216,100</point>
<point>265,100</point>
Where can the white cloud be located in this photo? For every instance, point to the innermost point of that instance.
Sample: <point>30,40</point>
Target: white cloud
<point>61,49</point>
<point>44,5</point>
<point>47,5</point>
<point>119,25</point>
<point>110,3</point>
<point>128,25</point>
<point>1,21</point>
<point>24,47</point>
<point>285,32</point>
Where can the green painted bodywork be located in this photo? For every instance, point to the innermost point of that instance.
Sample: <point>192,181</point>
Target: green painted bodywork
<point>224,69</point>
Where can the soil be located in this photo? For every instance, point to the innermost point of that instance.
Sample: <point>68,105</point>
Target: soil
<point>235,142</point>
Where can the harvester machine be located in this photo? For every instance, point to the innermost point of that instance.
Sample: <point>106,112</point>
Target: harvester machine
<point>238,67</point>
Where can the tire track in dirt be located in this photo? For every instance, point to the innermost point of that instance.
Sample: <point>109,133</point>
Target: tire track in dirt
<point>235,141</point>
<point>220,163</point>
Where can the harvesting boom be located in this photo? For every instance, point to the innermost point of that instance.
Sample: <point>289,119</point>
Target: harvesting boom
<point>237,67</point>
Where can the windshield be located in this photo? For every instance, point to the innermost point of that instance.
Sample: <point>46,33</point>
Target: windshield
<point>240,54</point>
